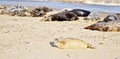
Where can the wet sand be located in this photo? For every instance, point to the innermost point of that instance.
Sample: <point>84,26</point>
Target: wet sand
<point>29,38</point>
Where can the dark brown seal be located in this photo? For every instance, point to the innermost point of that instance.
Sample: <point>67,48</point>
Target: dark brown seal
<point>110,23</point>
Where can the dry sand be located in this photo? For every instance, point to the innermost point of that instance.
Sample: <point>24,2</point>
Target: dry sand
<point>29,38</point>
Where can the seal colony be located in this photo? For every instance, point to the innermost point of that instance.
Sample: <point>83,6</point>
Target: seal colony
<point>109,23</point>
<point>21,10</point>
<point>71,15</point>
<point>41,11</point>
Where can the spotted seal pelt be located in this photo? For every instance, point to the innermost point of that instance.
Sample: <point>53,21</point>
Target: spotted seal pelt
<point>71,43</point>
<point>16,9</point>
<point>48,15</point>
<point>64,16</point>
<point>111,18</point>
<point>93,16</point>
<point>110,23</point>
<point>40,11</point>
<point>118,14</point>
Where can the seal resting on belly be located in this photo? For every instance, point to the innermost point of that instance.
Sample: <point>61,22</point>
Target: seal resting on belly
<point>111,18</point>
<point>71,43</point>
<point>94,16</point>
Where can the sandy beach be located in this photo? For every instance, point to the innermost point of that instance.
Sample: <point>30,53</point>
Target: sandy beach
<point>29,38</point>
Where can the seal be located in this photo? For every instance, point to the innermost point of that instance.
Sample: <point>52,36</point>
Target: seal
<point>110,23</point>
<point>93,16</point>
<point>40,11</point>
<point>112,17</point>
<point>80,12</point>
<point>16,9</point>
<point>64,16</point>
<point>72,43</point>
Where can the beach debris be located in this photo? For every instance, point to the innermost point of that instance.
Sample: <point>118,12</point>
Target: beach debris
<point>40,11</point>
<point>72,43</point>
<point>93,16</point>
<point>61,16</point>
<point>17,9</point>
<point>110,23</point>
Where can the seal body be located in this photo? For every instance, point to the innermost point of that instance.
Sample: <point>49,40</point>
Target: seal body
<point>17,9</point>
<point>64,16</point>
<point>81,12</point>
<point>40,11</point>
<point>111,18</point>
<point>72,43</point>
<point>110,23</point>
<point>93,16</point>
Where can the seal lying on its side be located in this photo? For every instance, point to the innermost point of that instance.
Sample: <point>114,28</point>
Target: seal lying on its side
<point>71,43</point>
<point>64,16</point>
<point>80,12</point>
<point>110,23</point>
<point>17,9</point>
<point>93,16</point>
<point>111,18</point>
<point>40,11</point>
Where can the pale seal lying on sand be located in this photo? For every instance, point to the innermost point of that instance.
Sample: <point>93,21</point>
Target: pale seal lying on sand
<point>93,16</point>
<point>16,9</point>
<point>67,15</point>
<point>71,43</point>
